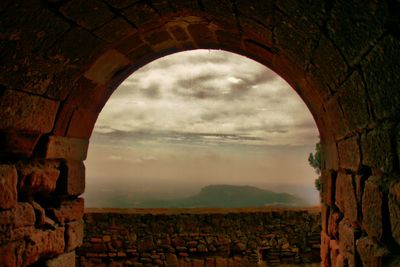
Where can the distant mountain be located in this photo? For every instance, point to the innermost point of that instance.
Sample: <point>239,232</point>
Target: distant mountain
<point>228,196</point>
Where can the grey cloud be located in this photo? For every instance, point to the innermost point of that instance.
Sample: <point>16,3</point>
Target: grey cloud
<point>214,115</point>
<point>152,91</point>
<point>171,137</point>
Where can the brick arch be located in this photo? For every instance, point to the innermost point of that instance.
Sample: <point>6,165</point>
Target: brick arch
<point>61,60</point>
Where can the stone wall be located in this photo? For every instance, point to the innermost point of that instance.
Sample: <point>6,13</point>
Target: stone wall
<point>219,238</point>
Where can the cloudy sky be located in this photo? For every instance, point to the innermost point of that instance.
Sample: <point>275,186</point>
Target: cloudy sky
<point>197,118</point>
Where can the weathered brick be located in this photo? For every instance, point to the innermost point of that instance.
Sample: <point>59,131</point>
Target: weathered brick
<point>178,32</point>
<point>334,252</point>
<point>90,14</point>
<point>349,154</point>
<point>59,147</point>
<point>69,211</point>
<point>130,44</point>
<point>376,147</point>
<point>352,99</point>
<point>198,263</point>
<point>21,111</point>
<point>380,69</point>
<point>72,178</point>
<point>347,241</point>
<point>328,185</point>
<point>394,210</point>
<point>44,242</point>
<point>120,3</point>
<point>324,251</point>
<point>77,47</point>
<point>63,260</point>
<point>8,186</point>
<point>221,262</point>
<point>328,66</point>
<point>372,205</point>
<point>142,15</point>
<point>172,260</point>
<point>371,252</point>
<point>157,37</point>
<point>346,198</point>
<point>202,35</point>
<point>42,178</point>
<point>355,40</point>
<point>333,224</point>
<point>74,99</point>
<point>17,144</point>
<point>11,254</point>
<point>115,30</point>
<point>74,234</point>
<point>20,216</point>
<point>104,68</point>
<point>336,118</point>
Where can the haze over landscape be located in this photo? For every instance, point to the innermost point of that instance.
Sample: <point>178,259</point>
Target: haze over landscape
<point>195,119</point>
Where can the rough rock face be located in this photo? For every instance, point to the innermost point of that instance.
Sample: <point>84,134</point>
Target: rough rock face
<point>61,60</point>
<point>242,238</point>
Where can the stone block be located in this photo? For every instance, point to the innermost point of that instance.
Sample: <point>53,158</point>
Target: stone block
<point>345,197</point>
<point>70,210</point>
<point>334,252</point>
<point>72,178</point>
<point>377,151</point>
<point>380,69</point>
<point>329,66</point>
<point>394,210</point>
<point>209,262</point>
<point>328,185</point>
<point>59,147</point>
<point>333,224</point>
<point>172,260</point>
<point>347,241</point>
<point>77,46</point>
<point>371,252</point>
<point>119,4</point>
<point>372,208</point>
<point>63,260</point>
<point>90,14</point>
<point>184,263</point>
<point>202,35</point>
<point>355,40</point>
<point>336,118</point>
<point>20,216</point>
<point>24,112</point>
<point>179,33</point>
<point>221,262</point>
<point>15,144</point>
<point>142,15</point>
<point>198,263</point>
<point>44,242</point>
<point>74,234</point>
<point>38,178</point>
<point>115,30</point>
<point>77,93</point>
<point>105,66</point>
<point>349,154</point>
<point>8,186</point>
<point>324,251</point>
<point>11,254</point>
<point>352,99</point>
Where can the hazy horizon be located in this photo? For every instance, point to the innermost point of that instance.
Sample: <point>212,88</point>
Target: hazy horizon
<point>198,118</point>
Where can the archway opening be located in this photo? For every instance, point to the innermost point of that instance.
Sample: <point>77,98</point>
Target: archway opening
<point>200,123</point>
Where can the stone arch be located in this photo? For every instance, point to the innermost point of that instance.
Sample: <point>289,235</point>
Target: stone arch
<point>61,60</point>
